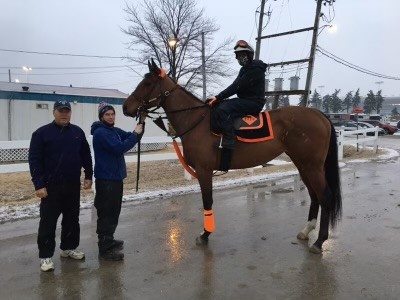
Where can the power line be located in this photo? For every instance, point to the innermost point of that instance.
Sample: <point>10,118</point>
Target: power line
<point>61,54</point>
<point>353,66</point>
<point>69,73</point>
<point>71,68</point>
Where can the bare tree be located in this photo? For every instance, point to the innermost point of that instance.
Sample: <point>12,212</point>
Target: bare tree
<point>155,22</point>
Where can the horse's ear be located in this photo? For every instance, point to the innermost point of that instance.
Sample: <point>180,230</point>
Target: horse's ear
<point>149,65</point>
<point>154,65</point>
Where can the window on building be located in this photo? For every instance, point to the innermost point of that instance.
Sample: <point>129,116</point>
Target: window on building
<point>42,106</point>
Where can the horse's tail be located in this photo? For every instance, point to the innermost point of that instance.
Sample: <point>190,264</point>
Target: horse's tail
<point>333,179</point>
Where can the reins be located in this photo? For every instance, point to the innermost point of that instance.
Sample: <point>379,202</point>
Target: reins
<point>162,97</point>
<point>158,120</point>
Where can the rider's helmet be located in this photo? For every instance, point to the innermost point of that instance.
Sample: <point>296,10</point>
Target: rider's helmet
<point>242,45</point>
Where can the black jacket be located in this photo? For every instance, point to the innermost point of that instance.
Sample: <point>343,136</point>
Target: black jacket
<point>57,155</point>
<point>250,83</point>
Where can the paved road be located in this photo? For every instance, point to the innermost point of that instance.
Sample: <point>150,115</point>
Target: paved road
<point>254,253</point>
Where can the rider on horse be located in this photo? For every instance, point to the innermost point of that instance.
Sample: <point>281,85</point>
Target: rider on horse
<point>249,86</point>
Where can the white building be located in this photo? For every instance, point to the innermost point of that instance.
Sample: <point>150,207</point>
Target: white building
<point>25,107</point>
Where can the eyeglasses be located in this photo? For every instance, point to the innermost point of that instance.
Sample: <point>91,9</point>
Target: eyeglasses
<point>241,43</point>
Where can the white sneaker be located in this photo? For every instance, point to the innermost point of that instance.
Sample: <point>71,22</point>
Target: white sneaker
<point>46,264</point>
<point>75,254</point>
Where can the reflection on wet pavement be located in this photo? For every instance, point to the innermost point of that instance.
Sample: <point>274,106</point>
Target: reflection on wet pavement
<point>254,253</point>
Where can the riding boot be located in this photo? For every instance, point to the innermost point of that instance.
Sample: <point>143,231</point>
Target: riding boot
<point>228,144</point>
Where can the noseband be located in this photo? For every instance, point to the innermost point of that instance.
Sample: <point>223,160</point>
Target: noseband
<point>162,96</point>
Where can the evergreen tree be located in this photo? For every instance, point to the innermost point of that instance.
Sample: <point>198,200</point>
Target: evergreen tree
<point>316,100</point>
<point>284,101</point>
<point>379,101</point>
<point>348,101</point>
<point>394,112</point>
<point>369,103</point>
<point>326,103</point>
<point>302,100</point>
<point>336,103</point>
<point>356,98</point>
<point>268,102</point>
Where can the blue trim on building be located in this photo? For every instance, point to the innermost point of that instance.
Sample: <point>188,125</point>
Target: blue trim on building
<point>29,96</point>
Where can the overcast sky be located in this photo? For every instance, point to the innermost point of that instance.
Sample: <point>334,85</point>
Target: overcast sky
<point>367,35</point>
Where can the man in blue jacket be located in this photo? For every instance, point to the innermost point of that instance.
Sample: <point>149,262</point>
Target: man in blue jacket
<point>57,153</point>
<point>109,145</point>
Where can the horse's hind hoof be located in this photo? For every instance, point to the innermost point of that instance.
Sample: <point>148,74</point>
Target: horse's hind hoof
<point>315,249</point>
<point>302,236</point>
<point>201,240</point>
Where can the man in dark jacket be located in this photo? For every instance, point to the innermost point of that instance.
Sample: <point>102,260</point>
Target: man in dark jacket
<point>57,153</point>
<point>109,144</point>
<point>249,86</point>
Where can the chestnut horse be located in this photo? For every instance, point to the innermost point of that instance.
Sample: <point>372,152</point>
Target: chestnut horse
<point>304,134</point>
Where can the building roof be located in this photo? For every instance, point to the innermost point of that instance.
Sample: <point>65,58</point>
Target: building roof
<point>61,90</point>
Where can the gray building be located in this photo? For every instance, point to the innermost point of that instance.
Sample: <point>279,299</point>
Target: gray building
<point>389,103</point>
<point>24,107</point>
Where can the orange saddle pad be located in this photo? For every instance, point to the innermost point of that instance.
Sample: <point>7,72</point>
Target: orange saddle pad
<point>253,129</point>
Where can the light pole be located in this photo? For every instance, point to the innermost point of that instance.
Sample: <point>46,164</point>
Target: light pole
<point>379,84</point>
<point>26,69</point>
<point>173,44</point>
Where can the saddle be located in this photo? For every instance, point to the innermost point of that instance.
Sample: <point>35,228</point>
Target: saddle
<point>250,128</point>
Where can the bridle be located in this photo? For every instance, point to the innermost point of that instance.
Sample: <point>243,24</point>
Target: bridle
<point>162,98</point>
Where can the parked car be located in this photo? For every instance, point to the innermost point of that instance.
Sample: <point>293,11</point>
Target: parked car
<point>388,128</point>
<point>350,125</point>
<point>381,131</point>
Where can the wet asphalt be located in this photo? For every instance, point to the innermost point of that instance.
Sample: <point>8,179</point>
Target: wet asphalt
<point>254,254</point>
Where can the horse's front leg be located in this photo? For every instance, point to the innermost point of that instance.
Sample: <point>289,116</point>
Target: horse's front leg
<point>205,180</point>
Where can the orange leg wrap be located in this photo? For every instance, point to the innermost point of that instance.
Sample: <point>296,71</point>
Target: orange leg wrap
<point>209,223</point>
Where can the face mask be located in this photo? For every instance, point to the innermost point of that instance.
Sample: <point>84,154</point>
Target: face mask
<point>242,60</point>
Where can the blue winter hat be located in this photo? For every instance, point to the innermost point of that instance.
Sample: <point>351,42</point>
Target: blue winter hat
<point>103,107</point>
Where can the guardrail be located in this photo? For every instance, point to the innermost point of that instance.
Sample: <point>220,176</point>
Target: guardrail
<point>348,136</point>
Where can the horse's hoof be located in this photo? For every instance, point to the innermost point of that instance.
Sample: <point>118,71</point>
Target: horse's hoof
<point>302,236</point>
<point>315,249</point>
<point>201,241</point>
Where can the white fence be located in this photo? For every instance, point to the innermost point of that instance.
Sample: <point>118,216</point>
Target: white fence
<point>348,136</point>
<point>12,152</point>
<point>17,151</point>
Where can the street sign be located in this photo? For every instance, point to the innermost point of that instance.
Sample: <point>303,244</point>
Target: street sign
<point>358,110</point>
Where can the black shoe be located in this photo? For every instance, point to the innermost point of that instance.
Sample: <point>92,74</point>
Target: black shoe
<point>111,255</point>
<point>117,245</point>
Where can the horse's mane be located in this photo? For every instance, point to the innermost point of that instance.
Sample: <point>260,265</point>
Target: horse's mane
<point>147,75</point>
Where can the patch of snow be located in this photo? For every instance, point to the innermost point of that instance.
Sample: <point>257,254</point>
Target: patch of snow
<point>390,153</point>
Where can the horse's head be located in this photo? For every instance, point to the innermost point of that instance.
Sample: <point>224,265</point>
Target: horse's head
<point>150,92</point>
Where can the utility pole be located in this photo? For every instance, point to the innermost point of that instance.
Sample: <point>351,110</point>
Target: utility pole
<point>312,53</point>
<point>310,60</point>
<point>9,75</point>
<point>203,66</point>
<point>260,25</point>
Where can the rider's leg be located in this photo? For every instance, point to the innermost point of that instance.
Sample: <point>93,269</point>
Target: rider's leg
<point>231,109</point>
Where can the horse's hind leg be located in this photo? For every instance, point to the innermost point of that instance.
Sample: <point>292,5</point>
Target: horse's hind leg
<point>205,180</point>
<point>317,181</point>
<point>313,212</point>
<point>312,216</point>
